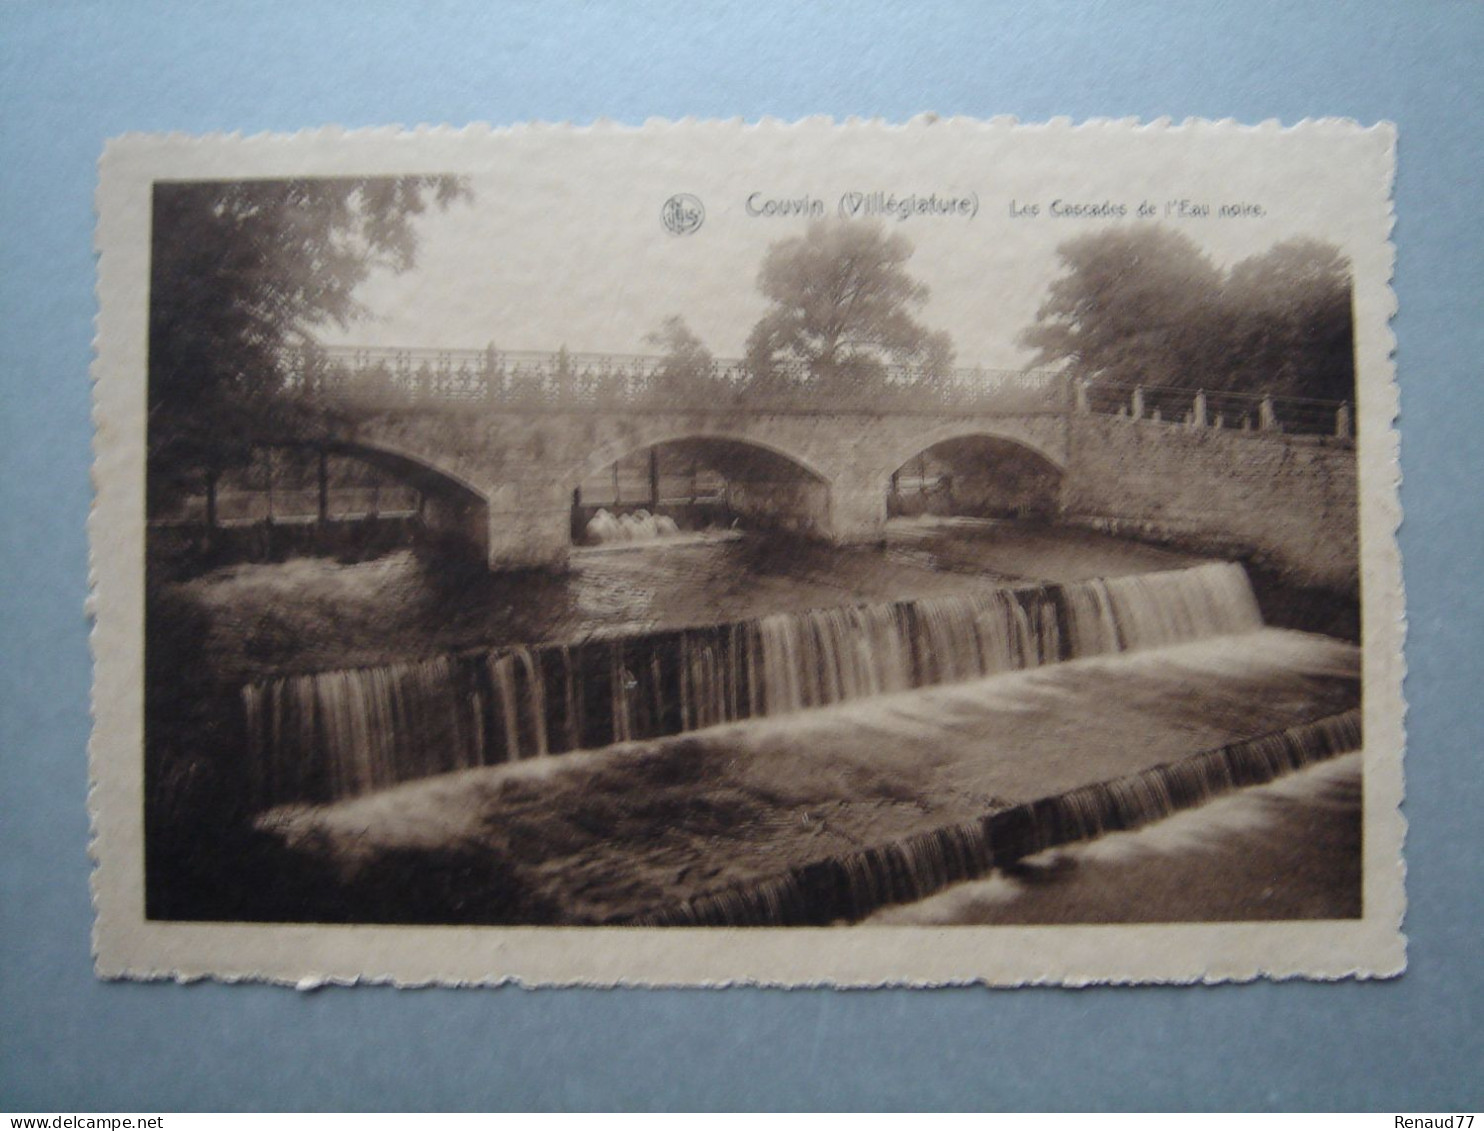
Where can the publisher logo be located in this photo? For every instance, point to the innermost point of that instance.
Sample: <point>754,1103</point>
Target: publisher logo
<point>682,214</point>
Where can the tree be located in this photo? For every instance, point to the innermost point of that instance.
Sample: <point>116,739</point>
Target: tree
<point>842,310</point>
<point>686,365</point>
<point>1135,305</point>
<point>242,272</point>
<point>1291,327</point>
<point>1144,305</point>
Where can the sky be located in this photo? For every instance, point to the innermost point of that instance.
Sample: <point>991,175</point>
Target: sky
<point>562,244</point>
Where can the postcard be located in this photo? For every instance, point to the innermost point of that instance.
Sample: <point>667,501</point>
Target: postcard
<point>710,553</point>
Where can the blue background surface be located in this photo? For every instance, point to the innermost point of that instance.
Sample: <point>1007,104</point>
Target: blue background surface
<point>75,74</point>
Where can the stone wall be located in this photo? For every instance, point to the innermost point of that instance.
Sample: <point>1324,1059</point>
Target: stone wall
<point>1289,500</point>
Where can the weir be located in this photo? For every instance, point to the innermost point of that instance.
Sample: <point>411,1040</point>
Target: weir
<point>850,887</point>
<point>337,734</point>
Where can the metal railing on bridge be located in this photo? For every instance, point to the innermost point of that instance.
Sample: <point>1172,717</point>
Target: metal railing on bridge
<point>513,380</point>
<point>525,380</point>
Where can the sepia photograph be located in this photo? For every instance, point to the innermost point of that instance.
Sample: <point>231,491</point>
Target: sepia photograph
<point>671,556</point>
<point>698,548</point>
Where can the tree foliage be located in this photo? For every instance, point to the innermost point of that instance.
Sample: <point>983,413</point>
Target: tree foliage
<point>686,363</point>
<point>1144,305</point>
<point>1290,323</point>
<point>842,309</point>
<point>240,272</point>
<point>1134,305</point>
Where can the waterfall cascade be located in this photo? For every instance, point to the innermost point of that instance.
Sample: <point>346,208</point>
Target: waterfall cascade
<point>335,734</point>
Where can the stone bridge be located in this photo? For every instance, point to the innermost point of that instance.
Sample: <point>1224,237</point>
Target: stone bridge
<point>498,444</point>
<point>504,480</point>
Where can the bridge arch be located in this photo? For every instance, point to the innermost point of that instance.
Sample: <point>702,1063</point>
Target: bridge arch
<point>962,430</point>
<point>453,509</point>
<point>614,450</point>
<point>765,484</point>
<point>968,470</point>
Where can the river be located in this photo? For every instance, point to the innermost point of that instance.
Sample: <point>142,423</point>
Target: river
<point>311,614</point>
<point>839,699</point>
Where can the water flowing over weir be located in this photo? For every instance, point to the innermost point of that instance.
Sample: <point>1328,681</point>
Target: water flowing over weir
<point>850,887</point>
<point>336,734</point>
